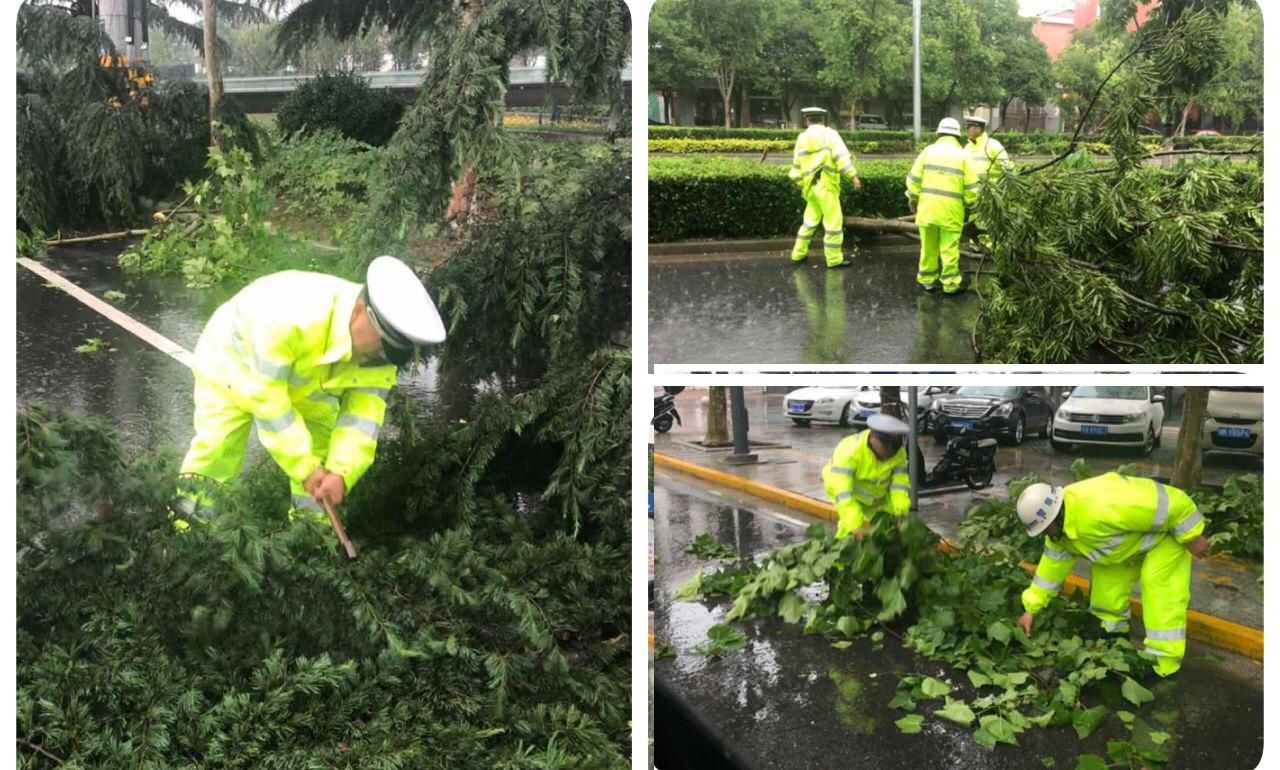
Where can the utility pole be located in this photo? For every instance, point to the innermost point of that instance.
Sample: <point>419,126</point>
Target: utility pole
<point>913,444</point>
<point>742,454</point>
<point>125,22</point>
<point>915,80</point>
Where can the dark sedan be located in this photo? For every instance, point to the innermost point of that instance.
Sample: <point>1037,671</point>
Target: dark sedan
<point>1008,411</point>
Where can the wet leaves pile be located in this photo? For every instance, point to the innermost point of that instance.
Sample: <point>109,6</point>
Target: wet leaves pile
<point>956,609</point>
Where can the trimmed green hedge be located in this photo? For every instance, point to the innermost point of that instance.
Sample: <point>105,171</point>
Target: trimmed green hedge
<point>789,134</point>
<point>738,198</point>
<point>1217,142</point>
<point>703,139</point>
<point>691,146</point>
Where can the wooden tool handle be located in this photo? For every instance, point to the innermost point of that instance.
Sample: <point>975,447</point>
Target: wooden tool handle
<point>338,530</point>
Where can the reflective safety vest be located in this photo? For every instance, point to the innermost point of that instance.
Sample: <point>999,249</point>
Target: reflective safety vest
<point>280,349</point>
<point>1110,519</point>
<point>862,484</point>
<point>942,182</point>
<point>988,157</point>
<point>820,152</point>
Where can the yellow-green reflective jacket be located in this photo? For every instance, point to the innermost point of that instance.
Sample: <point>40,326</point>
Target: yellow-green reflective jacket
<point>862,484</point>
<point>1110,519</point>
<point>942,182</point>
<point>280,349</point>
<point>988,157</point>
<point>820,150</point>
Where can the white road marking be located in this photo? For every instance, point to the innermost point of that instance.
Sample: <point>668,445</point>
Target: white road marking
<point>127,322</point>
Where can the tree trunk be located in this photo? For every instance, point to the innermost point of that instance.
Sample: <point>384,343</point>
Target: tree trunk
<point>1186,463</point>
<point>717,418</point>
<point>891,401</point>
<point>213,72</point>
<point>1026,116</point>
<point>464,188</point>
<point>1004,110</point>
<point>1182,124</point>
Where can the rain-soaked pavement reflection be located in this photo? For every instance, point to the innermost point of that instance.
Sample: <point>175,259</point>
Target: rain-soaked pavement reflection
<point>792,701</point>
<point>759,308</point>
<point>137,387</point>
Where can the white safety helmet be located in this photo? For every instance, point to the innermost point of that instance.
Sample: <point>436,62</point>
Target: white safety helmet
<point>949,126</point>
<point>1038,506</point>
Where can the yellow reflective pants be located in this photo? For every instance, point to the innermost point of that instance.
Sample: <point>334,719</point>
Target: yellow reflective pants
<point>937,242</point>
<point>822,205</point>
<point>222,435</point>
<point>1165,576</point>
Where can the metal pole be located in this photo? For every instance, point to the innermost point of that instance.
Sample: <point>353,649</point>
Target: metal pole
<point>115,22</point>
<point>915,99</point>
<point>913,445</point>
<point>738,414</point>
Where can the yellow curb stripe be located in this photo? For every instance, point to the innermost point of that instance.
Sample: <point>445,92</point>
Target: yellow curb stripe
<point>1201,627</point>
<point>773,494</point>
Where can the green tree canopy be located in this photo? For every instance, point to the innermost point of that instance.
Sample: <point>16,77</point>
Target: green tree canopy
<point>721,39</point>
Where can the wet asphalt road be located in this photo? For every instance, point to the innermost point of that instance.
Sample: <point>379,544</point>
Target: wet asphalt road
<point>759,308</point>
<point>776,700</point>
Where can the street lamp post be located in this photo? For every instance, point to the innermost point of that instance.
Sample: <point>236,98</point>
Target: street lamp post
<point>915,98</point>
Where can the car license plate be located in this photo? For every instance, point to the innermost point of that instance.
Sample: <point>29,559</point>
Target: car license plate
<point>1234,433</point>
<point>962,424</point>
<point>795,407</point>
<point>1094,430</point>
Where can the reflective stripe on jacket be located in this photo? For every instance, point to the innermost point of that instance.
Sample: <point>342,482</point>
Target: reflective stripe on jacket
<point>281,349</point>
<point>942,182</point>
<point>1110,519</point>
<point>861,483</point>
<point>988,157</point>
<point>820,149</point>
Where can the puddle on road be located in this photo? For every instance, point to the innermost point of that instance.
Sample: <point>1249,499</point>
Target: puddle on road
<point>762,308</point>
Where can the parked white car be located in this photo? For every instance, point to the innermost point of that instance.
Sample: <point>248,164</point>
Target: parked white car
<point>848,406</point>
<point>1233,421</point>
<point>822,404</point>
<point>1109,415</point>
<point>867,403</point>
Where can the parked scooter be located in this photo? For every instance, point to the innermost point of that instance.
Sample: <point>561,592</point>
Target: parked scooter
<point>969,458</point>
<point>665,413</point>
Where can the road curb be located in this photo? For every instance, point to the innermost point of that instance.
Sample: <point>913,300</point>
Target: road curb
<point>1201,626</point>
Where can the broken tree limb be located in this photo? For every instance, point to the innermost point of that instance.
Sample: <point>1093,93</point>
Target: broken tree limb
<point>900,225</point>
<point>95,238</point>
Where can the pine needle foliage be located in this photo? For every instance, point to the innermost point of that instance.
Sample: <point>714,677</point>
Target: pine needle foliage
<point>486,640</point>
<point>549,278</point>
<point>456,122</point>
<point>1124,260</point>
<point>91,138</point>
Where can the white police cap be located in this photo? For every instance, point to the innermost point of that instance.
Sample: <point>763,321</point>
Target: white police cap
<point>883,423</point>
<point>817,111</point>
<point>402,311</point>
<point>976,119</point>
